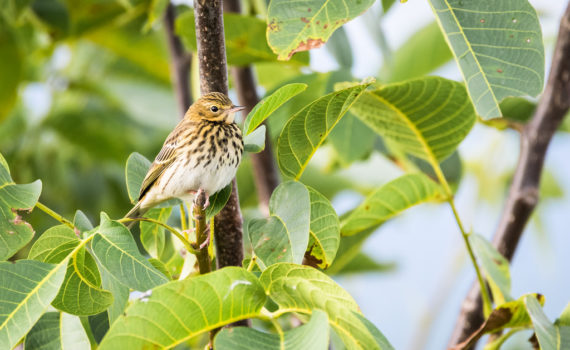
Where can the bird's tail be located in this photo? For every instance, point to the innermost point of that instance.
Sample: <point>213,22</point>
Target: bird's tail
<point>136,212</point>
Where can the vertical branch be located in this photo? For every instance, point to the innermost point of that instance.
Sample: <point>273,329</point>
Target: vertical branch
<point>524,190</point>
<point>179,63</point>
<point>202,233</point>
<point>213,77</point>
<point>265,172</point>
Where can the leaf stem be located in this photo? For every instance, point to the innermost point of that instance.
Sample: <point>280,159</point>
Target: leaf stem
<point>55,215</point>
<point>183,222</point>
<point>252,263</point>
<point>487,305</point>
<point>175,232</point>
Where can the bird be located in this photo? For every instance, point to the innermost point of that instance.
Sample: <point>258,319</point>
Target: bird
<point>202,153</point>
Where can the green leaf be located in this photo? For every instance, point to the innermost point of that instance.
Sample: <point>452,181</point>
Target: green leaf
<point>245,39</point>
<point>349,249</point>
<point>27,287</point>
<point>255,142</point>
<point>390,200</point>
<point>307,24</point>
<point>285,234</point>
<point>427,43</point>
<point>303,289</point>
<point>495,266</point>
<point>498,47</point>
<point>54,245</point>
<point>314,335</point>
<point>324,231</point>
<point>81,293</point>
<point>135,171</point>
<point>11,67</point>
<point>15,232</point>
<point>269,104</point>
<point>54,15</point>
<point>57,330</point>
<point>387,4</point>
<point>512,314</point>
<point>99,325</point>
<point>363,263</point>
<point>339,46</point>
<point>218,201</point>
<point>426,118</point>
<point>117,252</point>
<point>517,109</point>
<point>155,13</point>
<point>352,139</point>
<point>120,295</point>
<point>81,221</point>
<point>308,128</point>
<point>153,235</point>
<point>546,332</point>
<point>179,310</point>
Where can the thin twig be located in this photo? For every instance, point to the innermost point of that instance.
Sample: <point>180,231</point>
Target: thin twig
<point>55,215</point>
<point>524,190</point>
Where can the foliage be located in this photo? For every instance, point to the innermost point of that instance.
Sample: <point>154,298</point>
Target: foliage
<point>91,282</point>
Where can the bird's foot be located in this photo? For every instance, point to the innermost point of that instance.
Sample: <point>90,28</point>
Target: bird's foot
<point>198,194</point>
<point>207,241</point>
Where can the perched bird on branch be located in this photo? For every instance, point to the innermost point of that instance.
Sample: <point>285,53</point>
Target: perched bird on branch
<point>201,153</point>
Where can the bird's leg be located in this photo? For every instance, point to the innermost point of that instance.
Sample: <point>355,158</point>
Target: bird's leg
<point>198,194</point>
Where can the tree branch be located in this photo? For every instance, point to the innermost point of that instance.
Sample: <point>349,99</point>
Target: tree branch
<point>179,62</point>
<point>265,172</point>
<point>213,77</point>
<point>524,190</point>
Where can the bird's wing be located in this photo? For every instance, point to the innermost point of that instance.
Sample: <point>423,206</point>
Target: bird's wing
<point>164,158</point>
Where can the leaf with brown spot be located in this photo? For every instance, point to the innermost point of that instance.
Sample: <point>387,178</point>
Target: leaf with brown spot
<point>297,28</point>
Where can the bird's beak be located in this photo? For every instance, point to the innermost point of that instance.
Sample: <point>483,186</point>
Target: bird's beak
<point>236,109</point>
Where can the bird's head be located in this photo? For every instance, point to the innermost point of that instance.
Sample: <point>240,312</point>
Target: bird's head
<point>215,107</point>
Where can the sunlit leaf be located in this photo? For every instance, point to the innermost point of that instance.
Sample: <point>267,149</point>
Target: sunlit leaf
<point>314,335</point>
<point>54,245</point>
<point>27,287</point>
<point>283,237</point>
<point>324,230</point>
<point>307,24</point>
<point>175,312</point>
<point>495,266</point>
<point>304,289</point>
<point>308,128</point>
<point>498,47</point>
<point>426,117</point>
<point>56,331</point>
<point>390,200</point>
<point>269,104</point>
<point>245,39</point>
<point>114,243</point>
<point>15,232</point>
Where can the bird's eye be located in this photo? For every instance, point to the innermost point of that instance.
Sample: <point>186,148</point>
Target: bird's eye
<point>214,109</point>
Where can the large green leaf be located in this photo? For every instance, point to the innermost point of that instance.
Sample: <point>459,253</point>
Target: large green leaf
<point>308,128</point>
<point>15,232</point>
<point>546,332</point>
<point>307,24</point>
<point>245,38</point>
<point>303,289</point>
<point>498,47</point>
<point>283,237</point>
<point>27,287</point>
<point>429,44</point>
<point>314,335</point>
<point>117,252</point>
<point>324,230</point>
<point>153,235</point>
<point>269,104</point>
<point>10,69</point>
<point>57,331</point>
<point>80,292</point>
<point>495,266</point>
<point>426,118</point>
<point>179,310</point>
<point>390,200</point>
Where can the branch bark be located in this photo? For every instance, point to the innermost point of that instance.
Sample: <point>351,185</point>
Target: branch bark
<point>524,190</point>
<point>265,172</point>
<point>213,77</point>
<point>179,63</point>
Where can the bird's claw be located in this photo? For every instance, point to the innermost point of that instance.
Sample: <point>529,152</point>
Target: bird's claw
<point>207,202</point>
<point>207,241</point>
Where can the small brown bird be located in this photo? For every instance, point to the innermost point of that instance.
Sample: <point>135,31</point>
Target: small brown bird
<point>201,153</point>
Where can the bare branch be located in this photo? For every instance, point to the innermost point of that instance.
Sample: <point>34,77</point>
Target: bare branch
<point>524,190</point>
<point>179,62</point>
